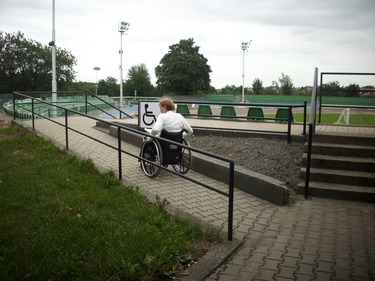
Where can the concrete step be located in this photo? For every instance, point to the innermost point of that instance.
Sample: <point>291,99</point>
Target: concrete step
<point>332,139</point>
<point>340,191</point>
<point>342,166</point>
<point>357,150</point>
<point>340,162</point>
<point>340,177</point>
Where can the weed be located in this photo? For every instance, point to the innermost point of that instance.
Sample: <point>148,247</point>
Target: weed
<point>161,204</point>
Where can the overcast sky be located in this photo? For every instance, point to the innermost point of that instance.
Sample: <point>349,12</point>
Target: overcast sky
<point>288,36</point>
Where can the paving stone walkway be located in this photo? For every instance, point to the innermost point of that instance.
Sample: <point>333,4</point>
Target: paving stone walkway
<point>315,239</point>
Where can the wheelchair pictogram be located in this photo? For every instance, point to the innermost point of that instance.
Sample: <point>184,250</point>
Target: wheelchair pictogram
<point>148,115</point>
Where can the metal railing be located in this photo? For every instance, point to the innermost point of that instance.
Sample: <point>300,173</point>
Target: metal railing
<point>272,105</point>
<point>48,110</point>
<point>229,194</point>
<point>321,89</point>
<point>313,107</point>
<point>316,105</point>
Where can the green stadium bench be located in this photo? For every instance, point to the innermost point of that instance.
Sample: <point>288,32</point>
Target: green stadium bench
<point>228,112</point>
<point>255,113</point>
<point>282,115</point>
<point>183,109</point>
<point>204,111</point>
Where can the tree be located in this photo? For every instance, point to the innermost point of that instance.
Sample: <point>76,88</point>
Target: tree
<point>257,86</point>
<point>286,85</point>
<point>26,65</point>
<point>80,86</point>
<point>331,89</point>
<point>183,70</point>
<point>272,90</point>
<point>108,87</point>
<point>353,90</point>
<point>231,89</point>
<point>139,80</point>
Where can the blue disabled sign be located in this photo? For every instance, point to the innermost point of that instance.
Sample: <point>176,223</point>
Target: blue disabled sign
<point>148,112</point>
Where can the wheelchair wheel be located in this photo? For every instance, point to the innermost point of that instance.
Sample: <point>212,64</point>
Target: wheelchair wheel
<point>185,163</point>
<point>152,152</point>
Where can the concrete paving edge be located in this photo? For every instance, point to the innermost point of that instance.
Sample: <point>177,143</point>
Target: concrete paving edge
<point>211,261</point>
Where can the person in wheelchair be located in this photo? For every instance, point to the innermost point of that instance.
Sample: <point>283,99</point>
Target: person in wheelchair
<point>169,120</point>
<point>172,126</point>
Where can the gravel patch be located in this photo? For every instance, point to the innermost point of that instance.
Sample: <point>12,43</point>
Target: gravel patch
<point>271,157</point>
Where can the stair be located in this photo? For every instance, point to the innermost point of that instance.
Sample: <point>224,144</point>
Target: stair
<point>342,167</point>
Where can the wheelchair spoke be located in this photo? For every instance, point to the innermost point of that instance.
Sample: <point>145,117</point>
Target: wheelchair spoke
<point>185,162</point>
<point>152,152</point>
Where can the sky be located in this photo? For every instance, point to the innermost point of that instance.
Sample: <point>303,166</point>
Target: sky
<point>290,37</point>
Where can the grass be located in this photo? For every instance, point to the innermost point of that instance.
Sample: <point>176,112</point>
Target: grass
<point>332,118</point>
<point>61,219</point>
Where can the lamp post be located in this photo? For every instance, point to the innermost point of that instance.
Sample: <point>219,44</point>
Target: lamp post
<point>122,28</point>
<point>244,46</point>
<point>96,68</point>
<point>52,44</point>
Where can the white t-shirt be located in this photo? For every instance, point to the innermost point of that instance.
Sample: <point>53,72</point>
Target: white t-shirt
<point>171,122</point>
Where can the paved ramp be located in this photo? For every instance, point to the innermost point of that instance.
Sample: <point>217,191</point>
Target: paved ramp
<point>317,239</point>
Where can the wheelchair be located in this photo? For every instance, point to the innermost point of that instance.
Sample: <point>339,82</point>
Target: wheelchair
<point>165,153</point>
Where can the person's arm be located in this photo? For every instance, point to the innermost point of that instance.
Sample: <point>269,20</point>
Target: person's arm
<point>158,127</point>
<point>187,127</point>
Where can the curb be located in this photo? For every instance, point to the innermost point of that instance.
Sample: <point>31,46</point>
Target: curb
<point>215,257</point>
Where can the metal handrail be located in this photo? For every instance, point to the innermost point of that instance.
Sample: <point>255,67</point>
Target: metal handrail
<point>317,105</point>
<point>313,108</point>
<point>279,105</point>
<point>99,98</point>
<point>87,102</point>
<point>229,194</point>
<point>322,74</point>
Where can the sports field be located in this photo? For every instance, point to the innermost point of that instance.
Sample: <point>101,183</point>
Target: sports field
<point>346,113</point>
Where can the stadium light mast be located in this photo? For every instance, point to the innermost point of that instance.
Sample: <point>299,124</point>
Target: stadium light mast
<point>52,44</point>
<point>96,68</point>
<point>122,28</point>
<point>244,47</point>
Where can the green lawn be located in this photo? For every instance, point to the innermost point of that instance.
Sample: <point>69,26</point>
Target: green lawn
<point>331,118</point>
<point>61,219</point>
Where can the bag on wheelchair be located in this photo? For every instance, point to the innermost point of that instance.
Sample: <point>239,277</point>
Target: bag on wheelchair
<point>171,152</point>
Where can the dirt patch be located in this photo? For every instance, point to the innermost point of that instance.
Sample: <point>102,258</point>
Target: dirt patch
<point>5,124</point>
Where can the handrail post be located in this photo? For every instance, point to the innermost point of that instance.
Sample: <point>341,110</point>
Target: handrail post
<point>289,123</point>
<point>231,199</point>
<point>320,98</point>
<point>119,153</point>
<point>66,130</point>
<point>308,162</point>
<point>14,107</point>
<point>32,114</point>
<point>86,103</point>
<point>304,117</point>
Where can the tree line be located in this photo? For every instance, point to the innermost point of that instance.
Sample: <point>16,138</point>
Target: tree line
<point>25,65</point>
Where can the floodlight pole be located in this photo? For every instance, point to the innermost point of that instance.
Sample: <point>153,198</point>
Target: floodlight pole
<point>244,46</point>
<point>122,28</point>
<point>53,46</point>
<point>96,68</point>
